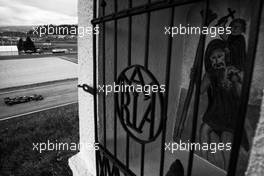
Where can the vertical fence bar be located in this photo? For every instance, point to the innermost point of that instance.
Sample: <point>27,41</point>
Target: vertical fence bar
<point>197,91</point>
<point>103,4</point>
<point>167,84</point>
<point>242,111</point>
<point>142,159</point>
<point>128,64</point>
<point>127,150</point>
<point>115,77</point>
<point>129,34</point>
<point>146,58</point>
<point>95,85</point>
<point>147,37</point>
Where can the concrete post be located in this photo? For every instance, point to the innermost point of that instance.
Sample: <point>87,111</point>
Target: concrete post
<point>83,164</point>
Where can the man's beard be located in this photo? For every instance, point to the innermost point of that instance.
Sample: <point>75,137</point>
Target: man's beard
<point>219,74</point>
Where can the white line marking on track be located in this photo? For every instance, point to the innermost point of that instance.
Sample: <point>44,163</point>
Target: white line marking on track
<point>31,112</point>
<point>32,88</point>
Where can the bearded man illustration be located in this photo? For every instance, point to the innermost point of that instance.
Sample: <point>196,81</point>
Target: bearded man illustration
<point>222,82</point>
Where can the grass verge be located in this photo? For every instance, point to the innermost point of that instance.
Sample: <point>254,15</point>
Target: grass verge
<point>17,136</point>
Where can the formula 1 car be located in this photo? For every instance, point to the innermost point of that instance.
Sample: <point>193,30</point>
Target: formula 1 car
<point>22,99</point>
<point>36,97</point>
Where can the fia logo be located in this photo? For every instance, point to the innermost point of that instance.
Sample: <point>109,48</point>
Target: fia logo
<point>140,111</point>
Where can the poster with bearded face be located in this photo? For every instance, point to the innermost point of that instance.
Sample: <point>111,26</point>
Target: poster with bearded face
<point>224,66</point>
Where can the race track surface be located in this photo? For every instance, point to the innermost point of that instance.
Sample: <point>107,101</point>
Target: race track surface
<point>55,94</point>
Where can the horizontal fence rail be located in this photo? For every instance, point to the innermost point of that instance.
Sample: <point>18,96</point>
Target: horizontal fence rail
<point>149,7</point>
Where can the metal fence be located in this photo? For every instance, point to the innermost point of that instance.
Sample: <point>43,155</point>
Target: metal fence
<point>107,162</point>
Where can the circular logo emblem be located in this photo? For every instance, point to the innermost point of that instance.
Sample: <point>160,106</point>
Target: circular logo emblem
<point>140,103</point>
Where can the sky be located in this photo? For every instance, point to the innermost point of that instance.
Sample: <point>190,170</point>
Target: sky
<point>37,12</point>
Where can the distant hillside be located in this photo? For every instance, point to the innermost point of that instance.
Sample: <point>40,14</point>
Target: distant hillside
<point>15,28</point>
<point>25,29</point>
